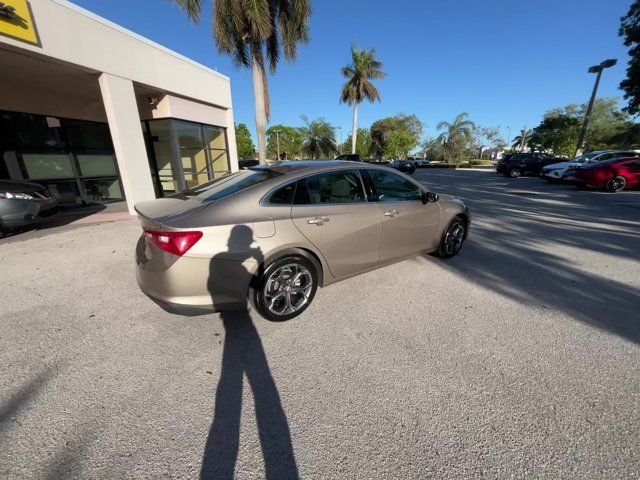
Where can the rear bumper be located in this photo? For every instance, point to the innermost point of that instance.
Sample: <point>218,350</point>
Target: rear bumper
<point>192,285</point>
<point>19,213</point>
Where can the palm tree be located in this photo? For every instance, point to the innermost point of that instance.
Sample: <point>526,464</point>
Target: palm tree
<point>457,133</point>
<point>318,138</point>
<point>363,68</point>
<point>520,142</point>
<point>254,33</point>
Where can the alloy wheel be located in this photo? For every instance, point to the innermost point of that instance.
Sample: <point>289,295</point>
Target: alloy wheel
<point>287,289</point>
<point>616,184</point>
<point>454,238</point>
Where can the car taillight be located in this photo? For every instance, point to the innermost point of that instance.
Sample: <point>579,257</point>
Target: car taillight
<point>177,243</point>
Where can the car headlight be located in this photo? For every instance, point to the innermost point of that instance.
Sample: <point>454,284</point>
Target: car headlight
<point>17,196</point>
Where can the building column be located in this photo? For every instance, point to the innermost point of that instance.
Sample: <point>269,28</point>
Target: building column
<point>128,141</point>
<point>231,139</point>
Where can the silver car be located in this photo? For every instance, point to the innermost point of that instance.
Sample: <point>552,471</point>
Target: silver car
<point>272,235</point>
<point>24,203</point>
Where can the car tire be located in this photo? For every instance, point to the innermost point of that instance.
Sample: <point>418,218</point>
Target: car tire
<point>452,238</point>
<point>615,184</point>
<point>514,173</point>
<point>285,288</point>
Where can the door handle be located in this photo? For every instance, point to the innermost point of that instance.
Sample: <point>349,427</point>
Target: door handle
<point>318,220</point>
<point>391,213</point>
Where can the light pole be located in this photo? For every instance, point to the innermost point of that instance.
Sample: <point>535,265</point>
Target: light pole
<point>340,130</point>
<point>508,136</point>
<point>277,132</point>
<point>594,69</point>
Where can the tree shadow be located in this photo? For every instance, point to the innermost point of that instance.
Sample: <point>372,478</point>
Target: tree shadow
<point>513,249</point>
<point>243,355</point>
<point>25,395</point>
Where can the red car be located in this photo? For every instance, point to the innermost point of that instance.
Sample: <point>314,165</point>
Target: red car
<point>611,175</point>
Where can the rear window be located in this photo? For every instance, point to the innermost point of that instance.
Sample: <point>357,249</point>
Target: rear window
<point>230,184</point>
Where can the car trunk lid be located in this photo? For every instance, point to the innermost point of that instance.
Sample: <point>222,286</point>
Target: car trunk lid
<point>163,212</point>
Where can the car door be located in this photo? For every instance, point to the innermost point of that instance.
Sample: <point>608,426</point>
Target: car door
<point>331,210</point>
<point>409,226</point>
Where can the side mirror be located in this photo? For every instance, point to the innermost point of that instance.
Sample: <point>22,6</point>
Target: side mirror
<point>429,197</point>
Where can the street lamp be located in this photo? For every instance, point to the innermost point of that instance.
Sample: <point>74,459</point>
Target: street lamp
<point>594,69</point>
<point>277,132</point>
<point>340,144</point>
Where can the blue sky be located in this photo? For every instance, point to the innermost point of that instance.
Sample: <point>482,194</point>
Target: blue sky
<point>504,62</point>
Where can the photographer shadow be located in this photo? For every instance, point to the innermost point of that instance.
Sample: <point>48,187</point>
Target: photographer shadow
<point>244,355</point>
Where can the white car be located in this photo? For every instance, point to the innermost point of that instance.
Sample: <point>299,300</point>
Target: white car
<point>555,171</point>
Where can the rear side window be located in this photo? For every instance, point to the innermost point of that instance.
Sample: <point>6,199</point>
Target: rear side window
<point>284,195</point>
<point>326,188</point>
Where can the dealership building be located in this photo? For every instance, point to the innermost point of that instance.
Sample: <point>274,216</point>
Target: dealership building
<point>99,114</point>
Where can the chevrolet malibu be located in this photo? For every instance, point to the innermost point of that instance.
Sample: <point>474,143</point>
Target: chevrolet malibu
<point>271,235</point>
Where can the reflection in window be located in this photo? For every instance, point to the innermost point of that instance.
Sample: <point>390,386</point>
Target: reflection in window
<point>97,165</point>
<point>41,166</point>
<point>102,190</point>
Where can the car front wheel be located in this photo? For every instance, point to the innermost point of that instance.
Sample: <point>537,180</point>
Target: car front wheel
<point>286,288</point>
<point>452,239</point>
<point>616,184</point>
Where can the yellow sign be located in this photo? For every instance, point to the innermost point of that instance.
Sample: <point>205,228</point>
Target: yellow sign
<point>16,21</point>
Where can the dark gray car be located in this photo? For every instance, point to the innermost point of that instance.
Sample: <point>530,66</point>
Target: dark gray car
<point>24,203</point>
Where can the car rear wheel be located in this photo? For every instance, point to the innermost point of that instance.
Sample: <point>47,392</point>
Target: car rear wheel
<point>515,172</point>
<point>616,184</point>
<point>452,238</point>
<point>286,288</point>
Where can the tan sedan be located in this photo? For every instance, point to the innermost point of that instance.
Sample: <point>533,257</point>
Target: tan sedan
<point>273,234</point>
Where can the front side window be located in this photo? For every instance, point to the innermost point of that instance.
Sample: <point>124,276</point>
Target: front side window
<point>333,187</point>
<point>390,187</point>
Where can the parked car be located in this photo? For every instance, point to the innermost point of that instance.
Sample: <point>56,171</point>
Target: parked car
<point>421,163</point>
<point>273,234</point>
<point>611,175</point>
<point>351,157</point>
<point>405,166</point>
<point>24,203</point>
<point>246,163</point>
<point>503,161</point>
<point>525,164</point>
<point>555,171</point>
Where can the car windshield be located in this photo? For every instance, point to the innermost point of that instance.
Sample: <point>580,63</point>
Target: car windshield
<point>230,184</point>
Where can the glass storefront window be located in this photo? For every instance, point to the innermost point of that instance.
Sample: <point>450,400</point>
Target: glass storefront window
<point>194,164</point>
<point>102,190</point>
<point>97,165</point>
<point>214,137</point>
<point>87,135</point>
<point>48,165</point>
<point>189,134</point>
<point>65,191</point>
<point>160,130</point>
<point>163,155</point>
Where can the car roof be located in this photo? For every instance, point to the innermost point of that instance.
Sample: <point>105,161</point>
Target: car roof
<point>309,166</point>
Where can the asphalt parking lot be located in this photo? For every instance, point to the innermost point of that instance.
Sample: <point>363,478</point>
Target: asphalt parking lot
<point>517,358</point>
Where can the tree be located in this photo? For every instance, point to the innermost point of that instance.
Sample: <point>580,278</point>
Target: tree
<point>382,129</point>
<point>290,141</point>
<point>363,68</point>
<point>399,144</point>
<point>363,143</point>
<point>244,144</point>
<point>556,133</point>
<point>433,150</point>
<point>457,136</point>
<point>630,31</point>
<point>255,33</point>
<point>318,138</point>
